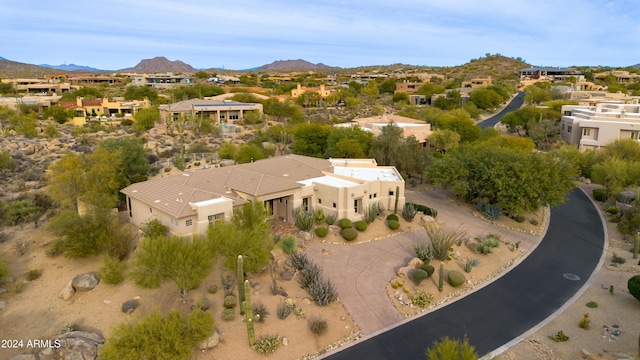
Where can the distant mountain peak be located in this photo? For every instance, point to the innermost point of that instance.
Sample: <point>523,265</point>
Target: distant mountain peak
<point>298,64</point>
<point>160,64</point>
<point>72,67</point>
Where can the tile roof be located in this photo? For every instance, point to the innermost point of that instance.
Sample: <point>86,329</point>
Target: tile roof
<point>258,179</point>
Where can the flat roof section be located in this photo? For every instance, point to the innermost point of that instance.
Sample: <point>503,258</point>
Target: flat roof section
<point>368,174</point>
<point>329,180</point>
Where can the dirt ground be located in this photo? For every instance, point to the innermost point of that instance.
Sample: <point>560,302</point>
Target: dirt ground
<point>34,311</point>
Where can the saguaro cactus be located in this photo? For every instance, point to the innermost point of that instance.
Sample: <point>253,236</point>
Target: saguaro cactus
<point>395,207</point>
<point>248,313</point>
<point>441,277</point>
<point>240,276</point>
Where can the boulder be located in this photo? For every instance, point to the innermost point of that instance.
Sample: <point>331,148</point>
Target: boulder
<point>286,275</point>
<point>285,341</point>
<point>211,342</point>
<point>68,291</point>
<point>2,305</point>
<point>405,270</point>
<point>129,306</point>
<point>86,281</point>
<point>79,345</point>
<point>415,263</point>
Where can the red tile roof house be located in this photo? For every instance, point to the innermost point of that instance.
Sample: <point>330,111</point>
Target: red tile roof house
<point>192,201</point>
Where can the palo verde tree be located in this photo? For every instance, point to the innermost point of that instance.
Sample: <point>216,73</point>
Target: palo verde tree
<point>386,146</point>
<point>518,181</point>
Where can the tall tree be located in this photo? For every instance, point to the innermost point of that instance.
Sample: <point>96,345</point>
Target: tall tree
<point>132,155</point>
<point>386,146</point>
<point>348,142</point>
<point>459,121</point>
<point>311,139</point>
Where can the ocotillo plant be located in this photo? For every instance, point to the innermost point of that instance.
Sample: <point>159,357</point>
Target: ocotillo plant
<point>441,279</point>
<point>248,313</point>
<point>240,276</point>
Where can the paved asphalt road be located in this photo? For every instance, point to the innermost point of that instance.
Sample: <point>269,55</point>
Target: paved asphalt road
<point>508,307</point>
<point>515,104</point>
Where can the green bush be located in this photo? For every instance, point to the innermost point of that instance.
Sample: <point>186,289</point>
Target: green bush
<point>409,211</point>
<point>423,252</point>
<point>392,217</point>
<point>455,278</point>
<point>393,224</point>
<point>228,314</point>
<point>493,211</point>
<point>230,302</point>
<point>418,275</point>
<point>318,325</point>
<point>112,271</point>
<point>322,231</point>
<point>592,304</point>
<point>633,284</point>
<point>4,270</point>
<point>319,216</point>
<point>267,344</point>
<point>33,274</point>
<point>331,219</point>
<point>428,268</point>
<point>153,336</point>
<point>447,348</point>
<point>349,234</point>
<point>425,210</point>
<point>598,194</point>
<point>260,310</point>
<point>361,225</point>
<point>138,178</point>
<point>283,310</point>
<point>612,209</point>
<point>304,219</point>
<point>519,218</point>
<point>289,244</point>
<point>421,298</point>
<point>345,223</point>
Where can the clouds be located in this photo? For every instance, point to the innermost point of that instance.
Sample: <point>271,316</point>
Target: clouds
<point>247,33</point>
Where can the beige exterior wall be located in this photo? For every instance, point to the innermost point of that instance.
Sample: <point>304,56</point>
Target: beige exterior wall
<point>593,127</point>
<point>322,91</point>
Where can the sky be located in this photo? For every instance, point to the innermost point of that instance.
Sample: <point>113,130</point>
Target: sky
<point>243,34</point>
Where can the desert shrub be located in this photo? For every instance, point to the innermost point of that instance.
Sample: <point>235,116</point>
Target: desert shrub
<point>560,336</point>
<point>299,260</point>
<point>349,233</point>
<point>212,289</point>
<point>3,236</point>
<point>446,349</point>
<point>322,292</point>
<point>592,304</point>
<point>203,304</point>
<point>345,223</point>
<point>309,274</point>
<point>33,274</point>
<point>319,216</point>
<point>289,244</point>
<point>423,252</point>
<point>372,211</point>
<point>56,248</point>
<point>633,284</point>
<point>361,225</point>
<point>469,264</point>
<point>393,224</point>
<point>230,302</point>
<point>409,211</point>
<point>318,325</point>
<point>455,278</point>
<point>585,321</point>
<point>428,268</point>
<point>228,283</point>
<point>228,314</point>
<point>259,309</point>
<point>441,239</point>
<point>322,231</point>
<point>267,344</point>
<point>616,259</point>
<point>112,271</point>
<point>21,247</point>
<point>331,219</point>
<point>153,228</point>
<point>418,275</point>
<point>486,246</point>
<point>421,298</point>
<point>304,219</point>
<point>425,210</point>
<point>393,217</point>
<point>493,211</point>
<point>598,194</point>
<point>173,336</point>
<point>69,328</point>
<point>297,310</point>
<point>611,209</point>
<point>282,311</point>
<point>4,270</point>
<point>519,218</point>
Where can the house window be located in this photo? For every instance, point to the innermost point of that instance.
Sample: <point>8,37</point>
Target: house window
<point>305,204</point>
<point>370,196</point>
<point>233,115</point>
<point>375,195</point>
<point>214,218</point>
<point>569,129</point>
<point>634,135</point>
<point>319,201</point>
<point>391,193</point>
<point>567,113</point>
<point>334,205</point>
<point>151,210</point>
<point>586,132</point>
<point>562,126</point>
<point>189,222</point>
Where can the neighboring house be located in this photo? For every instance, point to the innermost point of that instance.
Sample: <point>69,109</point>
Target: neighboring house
<point>103,108</point>
<point>98,79</point>
<point>549,73</point>
<point>221,110</point>
<point>418,128</point>
<point>620,76</point>
<point>408,87</point>
<point>191,202</point>
<point>592,127</point>
<point>594,97</point>
<point>161,81</point>
<point>40,86</point>
<point>476,83</point>
<point>299,90</point>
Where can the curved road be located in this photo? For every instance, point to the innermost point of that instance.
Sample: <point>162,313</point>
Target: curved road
<point>505,309</point>
<point>515,104</point>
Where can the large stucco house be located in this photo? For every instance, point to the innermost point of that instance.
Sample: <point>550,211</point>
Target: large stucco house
<point>192,201</point>
<point>592,127</point>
